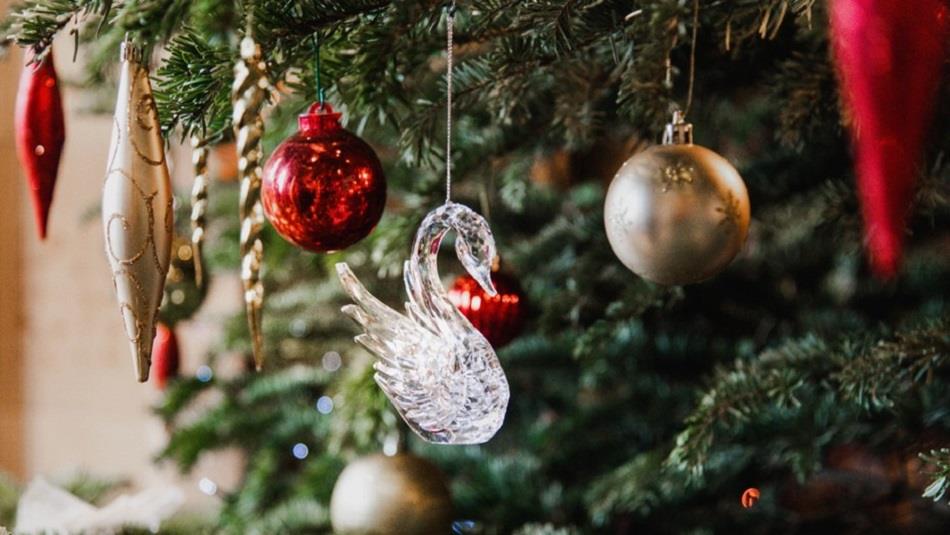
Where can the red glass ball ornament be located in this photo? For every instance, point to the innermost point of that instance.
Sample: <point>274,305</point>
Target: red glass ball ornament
<point>323,188</point>
<point>165,356</point>
<point>749,497</point>
<point>500,317</point>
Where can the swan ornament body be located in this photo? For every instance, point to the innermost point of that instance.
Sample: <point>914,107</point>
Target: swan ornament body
<point>439,372</point>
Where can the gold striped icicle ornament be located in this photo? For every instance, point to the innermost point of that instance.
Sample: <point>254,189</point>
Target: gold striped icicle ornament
<point>137,214</point>
<point>248,96</point>
<point>199,205</point>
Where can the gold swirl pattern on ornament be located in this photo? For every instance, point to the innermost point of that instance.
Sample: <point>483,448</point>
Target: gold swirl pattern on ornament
<point>125,305</point>
<point>147,199</point>
<point>150,106</point>
<point>144,107</point>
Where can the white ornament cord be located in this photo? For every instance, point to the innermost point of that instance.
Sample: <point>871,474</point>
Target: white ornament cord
<point>439,371</point>
<point>450,27</point>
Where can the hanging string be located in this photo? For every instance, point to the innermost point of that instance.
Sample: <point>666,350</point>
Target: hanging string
<point>692,59</point>
<point>321,93</point>
<point>450,27</point>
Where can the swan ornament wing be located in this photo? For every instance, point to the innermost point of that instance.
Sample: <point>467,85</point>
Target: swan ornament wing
<point>401,345</point>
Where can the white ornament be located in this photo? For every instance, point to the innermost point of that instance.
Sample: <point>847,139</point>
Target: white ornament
<point>137,209</point>
<point>440,373</point>
<point>676,213</point>
<point>46,508</point>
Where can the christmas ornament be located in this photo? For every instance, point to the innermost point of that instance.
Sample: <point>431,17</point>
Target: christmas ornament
<point>323,188</point>
<point>749,497</point>
<point>441,374</point>
<point>46,508</point>
<point>165,355</point>
<point>199,205</point>
<point>400,494</point>
<point>137,208</point>
<point>40,133</point>
<point>498,317</point>
<point>248,95</point>
<point>676,213</point>
<point>889,58</point>
<point>182,296</point>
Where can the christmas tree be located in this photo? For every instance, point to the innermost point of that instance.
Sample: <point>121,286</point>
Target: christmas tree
<point>635,407</point>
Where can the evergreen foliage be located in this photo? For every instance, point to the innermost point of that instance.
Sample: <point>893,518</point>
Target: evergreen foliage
<point>635,408</point>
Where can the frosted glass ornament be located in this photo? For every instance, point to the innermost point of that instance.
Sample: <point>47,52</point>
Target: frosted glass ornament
<point>137,215</point>
<point>440,373</point>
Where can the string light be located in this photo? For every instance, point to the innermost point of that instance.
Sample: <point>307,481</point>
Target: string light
<point>331,361</point>
<point>325,405</point>
<point>207,486</point>
<point>204,373</point>
<point>301,451</point>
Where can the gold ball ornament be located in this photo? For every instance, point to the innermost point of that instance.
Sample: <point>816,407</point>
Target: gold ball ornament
<point>380,495</point>
<point>676,213</point>
<point>182,295</point>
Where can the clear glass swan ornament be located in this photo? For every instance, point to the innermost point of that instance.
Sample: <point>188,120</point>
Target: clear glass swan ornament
<point>439,372</point>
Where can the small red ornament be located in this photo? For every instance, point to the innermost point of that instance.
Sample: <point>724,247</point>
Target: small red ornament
<point>323,188</point>
<point>165,356</point>
<point>749,497</point>
<point>889,56</point>
<point>499,318</point>
<point>40,133</point>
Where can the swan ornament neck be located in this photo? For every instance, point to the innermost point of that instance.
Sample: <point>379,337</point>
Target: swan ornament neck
<point>474,246</point>
<point>440,373</point>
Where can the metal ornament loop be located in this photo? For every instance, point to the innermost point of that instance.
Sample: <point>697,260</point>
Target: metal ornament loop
<point>678,132</point>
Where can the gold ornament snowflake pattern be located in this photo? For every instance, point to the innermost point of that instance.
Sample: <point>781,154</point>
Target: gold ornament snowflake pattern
<point>675,174</point>
<point>729,211</point>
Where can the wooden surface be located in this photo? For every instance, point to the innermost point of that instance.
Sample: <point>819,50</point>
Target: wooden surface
<point>15,211</point>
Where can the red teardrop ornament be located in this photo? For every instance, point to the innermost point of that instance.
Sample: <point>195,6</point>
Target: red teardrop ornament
<point>500,318</point>
<point>40,133</point>
<point>323,188</point>
<point>889,56</point>
<point>165,356</point>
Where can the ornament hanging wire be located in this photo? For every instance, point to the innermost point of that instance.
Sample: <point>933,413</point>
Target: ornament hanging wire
<point>321,93</point>
<point>692,61</point>
<point>450,27</point>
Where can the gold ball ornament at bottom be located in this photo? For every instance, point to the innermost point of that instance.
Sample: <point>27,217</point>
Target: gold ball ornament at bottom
<point>676,213</point>
<point>379,495</point>
<point>182,295</point>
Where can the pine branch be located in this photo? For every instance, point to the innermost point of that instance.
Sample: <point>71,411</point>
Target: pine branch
<point>883,375</point>
<point>34,23</point>
<point>546,529</point>
<point>193,88</point>
<point>866,378</point>
<point>940,483</point>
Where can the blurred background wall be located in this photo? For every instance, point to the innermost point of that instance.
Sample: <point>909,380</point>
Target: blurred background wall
<point>69,401</point>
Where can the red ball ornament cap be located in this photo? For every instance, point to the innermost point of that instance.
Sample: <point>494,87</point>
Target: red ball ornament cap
<point>320,119</point>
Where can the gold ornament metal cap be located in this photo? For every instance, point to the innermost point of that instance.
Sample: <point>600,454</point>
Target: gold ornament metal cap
<point>678,132</point>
